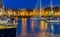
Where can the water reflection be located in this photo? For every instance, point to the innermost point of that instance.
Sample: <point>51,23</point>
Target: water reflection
<point>36,28</point>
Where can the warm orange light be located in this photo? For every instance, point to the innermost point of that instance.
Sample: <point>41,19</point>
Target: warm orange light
<point>42,25</point>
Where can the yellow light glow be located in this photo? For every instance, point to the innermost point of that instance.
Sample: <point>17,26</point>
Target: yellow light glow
<point>42,25</point>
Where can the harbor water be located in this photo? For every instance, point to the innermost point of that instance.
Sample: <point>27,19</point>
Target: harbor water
<point>37,28</point>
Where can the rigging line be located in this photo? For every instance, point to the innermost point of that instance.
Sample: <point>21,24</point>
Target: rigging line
<point>36,6</point>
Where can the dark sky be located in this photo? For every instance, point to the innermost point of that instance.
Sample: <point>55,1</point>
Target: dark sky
<point>29,4</point>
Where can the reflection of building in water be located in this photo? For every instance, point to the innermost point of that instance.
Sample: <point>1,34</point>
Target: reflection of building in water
<point>37,25</point>
<point>46,26</point>
<point>43,25</point>
<point>23,27</point>
<point>32,25</point>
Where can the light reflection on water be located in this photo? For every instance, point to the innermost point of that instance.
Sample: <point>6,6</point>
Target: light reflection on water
<point>35,29</point>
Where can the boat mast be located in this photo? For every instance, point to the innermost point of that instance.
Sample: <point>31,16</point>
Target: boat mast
<point>40,8</point>
<point>51,7</point>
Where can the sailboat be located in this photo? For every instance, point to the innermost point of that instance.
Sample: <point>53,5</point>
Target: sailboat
<point>37,19</point>
<point>35,10</point>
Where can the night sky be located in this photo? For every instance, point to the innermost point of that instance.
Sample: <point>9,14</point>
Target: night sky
<point>28,4</point>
